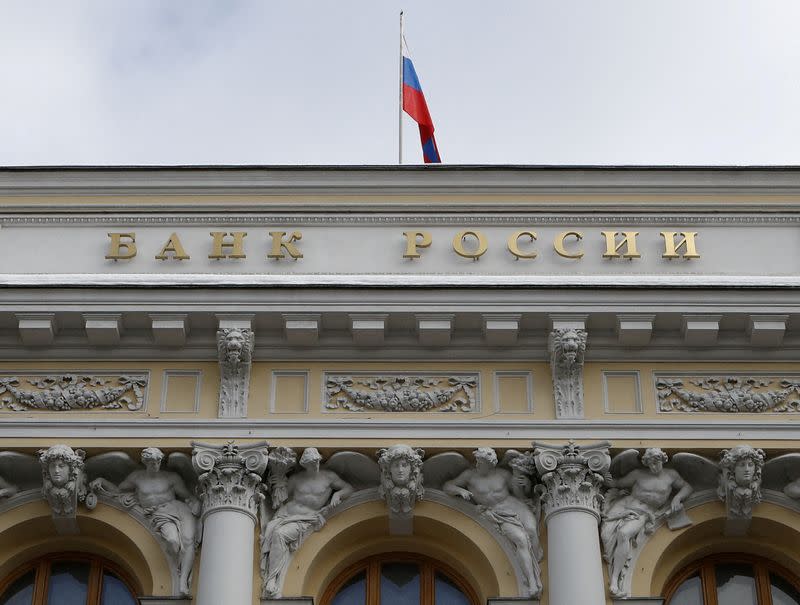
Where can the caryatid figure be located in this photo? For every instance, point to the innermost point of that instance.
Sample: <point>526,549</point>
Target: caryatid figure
<point>501,497</point>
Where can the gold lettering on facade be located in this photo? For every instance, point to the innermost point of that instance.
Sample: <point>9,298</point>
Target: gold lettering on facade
<point>122,246</point>
<point>480,248</point>
<point>672,249</point>
<point>513,244</point>
<point>414,240</point>
<point>558,244</point>
<point>174,247</point>
<point>629,241</point>
<point>220,243</point>
<point>279,244</point>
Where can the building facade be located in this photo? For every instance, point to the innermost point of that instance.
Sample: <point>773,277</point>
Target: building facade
<point>447,385</point>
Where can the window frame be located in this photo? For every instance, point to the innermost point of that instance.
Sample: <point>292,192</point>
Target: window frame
<point>42,567</point>
<point>372,566</point>
<point>705,569</point>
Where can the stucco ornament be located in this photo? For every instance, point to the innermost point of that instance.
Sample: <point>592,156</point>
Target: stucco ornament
<point>402,393</point>
<point>640,496</point>
<point>164,497</point>
<point>730,394</point>
<point>567,348</point>
<point>401,484</point>
<point>64,485</point>
<point>304,500</point>
<point>505,497</point>
<point>235,351</point>
<point>64,392</point>
<point>740,482</point>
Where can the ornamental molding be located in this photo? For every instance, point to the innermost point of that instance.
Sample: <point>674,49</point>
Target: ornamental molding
<point>573,476</point>
<point>235,349</point>
<point>230,476</point>
<point>260,220</point>
<point>739,393</point>
<point>567,348</point>
<point>62,392</point>
<point>402,392</point>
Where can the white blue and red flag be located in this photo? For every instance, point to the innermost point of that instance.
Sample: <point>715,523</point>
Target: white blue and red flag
<point>414,105</point>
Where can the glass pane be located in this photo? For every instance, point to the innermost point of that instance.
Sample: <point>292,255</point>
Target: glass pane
<point>688,593</point>
<point>399,584</point>
<point>69,581</point>
<point>736,585</point>
<point>447,593</point>
<point>783,593</point>
<point>354,591</point>
<point>115,592</point>
<point>20,592</point>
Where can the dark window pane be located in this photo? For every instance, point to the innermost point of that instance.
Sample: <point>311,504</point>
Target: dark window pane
<point>688,593</point>
<point>399,584</point>
<point>447,593</point>
<point>354,591</point>
<point>115,592</point>
<point>20,592</point>
<point>68,583</point>
<point>783,593</point>
<point>736,585</point>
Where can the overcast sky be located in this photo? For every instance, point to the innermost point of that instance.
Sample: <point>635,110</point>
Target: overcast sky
<point>316,82</point>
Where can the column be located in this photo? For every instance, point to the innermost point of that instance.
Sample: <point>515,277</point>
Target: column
<point>228,486</point>
<point>573,477</point>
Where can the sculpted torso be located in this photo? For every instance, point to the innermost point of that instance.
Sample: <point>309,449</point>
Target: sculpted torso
<point>489,489</point>
<point>152,489</point>
<point>310,492</point>
<point>653,489</point>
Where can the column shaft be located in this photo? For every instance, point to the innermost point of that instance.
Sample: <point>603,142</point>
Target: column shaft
<point>574,563</point>
<point>226,563</point>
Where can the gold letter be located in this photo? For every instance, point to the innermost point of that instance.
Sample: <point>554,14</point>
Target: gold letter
<point>513,244</point>
<point>173,245</point>
<point>671,248</point>
<point>278,244</point>
<point>237,244</point>
<point>121,250</point>
<point>558,244</point>
<point>612,248</point>
<point>458,244</point>
<point>414,240</point>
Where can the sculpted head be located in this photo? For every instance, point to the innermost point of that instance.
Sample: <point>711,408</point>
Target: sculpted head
<point>61,464</point>
<point>310,459</point>
<point>654,458</point>
<point>742,465</point>
<point>400,464</point>
<point>151,458</point>
<point>234,345</point>
<point>569,343</point>
<point>485,459</point>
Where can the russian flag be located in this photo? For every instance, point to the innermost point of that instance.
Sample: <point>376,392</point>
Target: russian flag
<point>414,105</point>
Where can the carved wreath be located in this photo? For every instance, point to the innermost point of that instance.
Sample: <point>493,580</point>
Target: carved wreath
<point>402,393</point>
<point>73,392</point>
<point>730,394</point>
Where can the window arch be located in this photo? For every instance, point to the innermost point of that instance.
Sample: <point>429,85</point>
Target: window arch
<point>733,579</point>
<point>399,579</point>
<point>68,579</point>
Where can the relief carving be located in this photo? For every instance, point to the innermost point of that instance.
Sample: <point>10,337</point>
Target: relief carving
<point>740,480</point>
<point>66,392</point>
<point>402,393</point>
<point>401,484</point>
<point>164,497</point>
<point>567,348</point>
<point>64,485</point>
<point>731,394</point>
<point>235,350</point>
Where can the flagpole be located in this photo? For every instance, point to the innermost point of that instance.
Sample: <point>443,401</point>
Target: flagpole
<point>400,104</point>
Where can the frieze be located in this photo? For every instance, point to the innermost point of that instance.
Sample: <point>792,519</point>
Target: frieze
<point>402,392</point>
<point>66,392</point>
<point>734,393</point>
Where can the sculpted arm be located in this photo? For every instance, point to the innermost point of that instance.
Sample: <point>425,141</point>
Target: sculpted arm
<point>342,487</point>
<point>684,489</point>
<point>6,489</point>
<point>457,487</point>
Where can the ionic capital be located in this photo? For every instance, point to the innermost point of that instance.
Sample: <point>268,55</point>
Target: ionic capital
<point>573,476</point>
<point>230,476</point>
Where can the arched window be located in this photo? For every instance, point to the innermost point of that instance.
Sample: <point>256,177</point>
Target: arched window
<point>67,579</point>
<point>399,579</point>
<point>733,579</point>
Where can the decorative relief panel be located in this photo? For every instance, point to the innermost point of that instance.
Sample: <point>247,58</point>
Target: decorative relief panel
<point>65,392</point>
<point>403,392</point>
<point>739,393</point>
